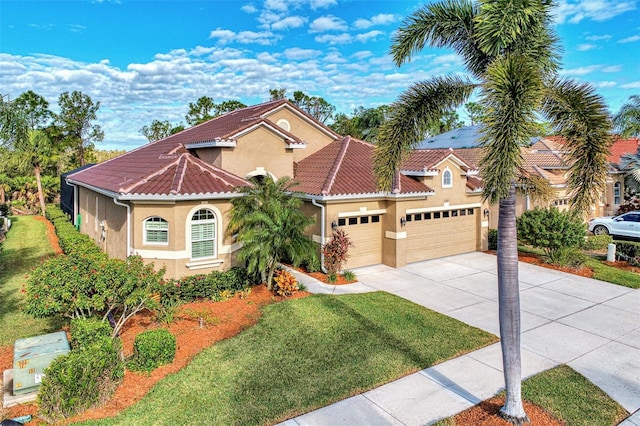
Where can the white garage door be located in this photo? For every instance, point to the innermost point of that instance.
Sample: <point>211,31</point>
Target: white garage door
<point>366,234</point>
<point>443,233</point>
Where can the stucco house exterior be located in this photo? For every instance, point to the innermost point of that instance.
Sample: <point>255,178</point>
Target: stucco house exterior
<point>169,200</point>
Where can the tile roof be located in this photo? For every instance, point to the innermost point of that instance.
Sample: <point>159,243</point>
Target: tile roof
<point>150,163</point>
<point>345,167</point>
<point>422,160</point>
<point>623,146</point>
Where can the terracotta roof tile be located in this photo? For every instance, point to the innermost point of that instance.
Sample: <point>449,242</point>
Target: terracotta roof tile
<point>427,159</point>
<point>621,147</point>
<point>346,167</point>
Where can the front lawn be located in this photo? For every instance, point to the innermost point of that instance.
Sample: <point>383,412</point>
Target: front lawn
<point>302,355</point>
<point>25,247</point>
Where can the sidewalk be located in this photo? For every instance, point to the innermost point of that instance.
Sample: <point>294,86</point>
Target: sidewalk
<point>592,326</point>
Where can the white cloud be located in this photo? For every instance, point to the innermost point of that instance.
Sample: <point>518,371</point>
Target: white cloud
<point>605,84</point>
<point>327,23</point>
<point>245,37</point>
<point>279,5</point>
<point>381,19</point>
<point>289,22</point>
<point>322,4</point>
<point>223,35</point>
<point>249,8</point>
<point>586,46</point>
<point>630,39</point>
<point>295,53</point>
<point>449,60</point>
<point>580,71</point>
<point>598,37</point>
<point>363,54</point>
<point>632,85</point>
<point>371,35</point>
<point>574,11</point>
<point>335,39</point>
<point>612,68</point>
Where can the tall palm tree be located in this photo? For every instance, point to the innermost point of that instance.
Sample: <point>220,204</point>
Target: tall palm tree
<point>270,226</point>
<point>627,120</point>
<point>511,54</point>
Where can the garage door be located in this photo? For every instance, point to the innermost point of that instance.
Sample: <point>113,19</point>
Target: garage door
<point>443,233</point>
<point>366,234</point>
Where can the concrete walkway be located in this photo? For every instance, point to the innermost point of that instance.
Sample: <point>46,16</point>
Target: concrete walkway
<point>590,325</point>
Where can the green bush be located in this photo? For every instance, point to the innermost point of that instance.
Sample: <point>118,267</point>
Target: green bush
<point>312,265</point>
<point>83,378</point>
<point>86,331</point>
<point>349,275</point>
<point>628,251</point>
<point>566,256</point>
<point>550,230</point>
<point>71,241</point>
<point>151,349</point>
<point>493,239</point>
<point>597,242</point>
<point>211,286</point>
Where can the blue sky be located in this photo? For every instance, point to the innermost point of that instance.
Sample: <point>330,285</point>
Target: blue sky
<point>145,60</point>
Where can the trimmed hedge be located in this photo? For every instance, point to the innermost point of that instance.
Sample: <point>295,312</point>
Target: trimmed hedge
<point>151,349</point>
<point>86,331</point>
<point>71,241</point>
<point>194,287</point>
<point>85,377</point>
<point>628,251</point>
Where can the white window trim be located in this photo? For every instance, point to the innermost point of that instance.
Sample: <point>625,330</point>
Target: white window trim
<point>144,233</point>
<point>218,227</point>
<point>444,174</point>
<point>617,187</point>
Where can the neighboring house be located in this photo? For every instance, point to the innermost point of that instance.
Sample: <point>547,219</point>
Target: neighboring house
<point>546,159</point>
<point>619,148</point>
<point>169,200</point>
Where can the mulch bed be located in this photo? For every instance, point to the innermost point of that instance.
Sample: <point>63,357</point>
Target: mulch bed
<point>322,277</point>
<point>538,261</point>
<point>486,414</point>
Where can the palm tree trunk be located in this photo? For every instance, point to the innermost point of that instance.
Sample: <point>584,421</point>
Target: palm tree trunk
<point>509,309</point>
<point>36,171</point>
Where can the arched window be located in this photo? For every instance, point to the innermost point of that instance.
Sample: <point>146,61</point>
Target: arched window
<point>156,231</point>
<point>447,182</point>
<point>616,193</point>
<point>203,234</point>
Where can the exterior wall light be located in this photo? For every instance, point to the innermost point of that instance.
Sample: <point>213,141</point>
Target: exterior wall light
<point>486,212</point>
<point>403,221</point>
<point>334,225</point>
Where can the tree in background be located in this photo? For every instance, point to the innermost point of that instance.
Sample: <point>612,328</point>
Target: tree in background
<point>159,130</point>
<point>75,120</point>
<point>627,120</point>
<point>277,94</point>
<point>35,109</point>
<point>474,112</point>
<point>363,124</point>
<point>204,109</point>
<point>315,106</point>
<point>510,51</point>
<point>270,226</point>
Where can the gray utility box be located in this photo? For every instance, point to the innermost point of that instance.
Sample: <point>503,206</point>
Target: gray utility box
<point>32,355</point>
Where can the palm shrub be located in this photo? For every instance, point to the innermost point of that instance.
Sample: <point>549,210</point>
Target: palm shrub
<point>551,230</point>
<point>336,251</point>
<point>269,223</point>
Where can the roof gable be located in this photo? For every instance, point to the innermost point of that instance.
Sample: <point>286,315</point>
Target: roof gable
<point>426,161</point>
<point>346,167</point>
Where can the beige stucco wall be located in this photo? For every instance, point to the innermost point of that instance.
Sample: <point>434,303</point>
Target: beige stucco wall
<point>305,130</point>
<point>104,222</point>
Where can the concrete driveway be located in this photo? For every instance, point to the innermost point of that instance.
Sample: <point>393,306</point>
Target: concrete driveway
<point>590,325</point>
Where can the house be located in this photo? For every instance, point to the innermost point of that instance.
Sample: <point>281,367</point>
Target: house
<point>169,201</point>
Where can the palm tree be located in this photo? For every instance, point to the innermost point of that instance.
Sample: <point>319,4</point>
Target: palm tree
<point>627,120</point>
<point>270,226</point>
<point>630,163</point>
<point>510,52</point>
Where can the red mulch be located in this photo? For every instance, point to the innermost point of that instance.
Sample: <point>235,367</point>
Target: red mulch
<point>51,234</point>
<point>536,260</point>
<point>486,414</point>
<point>222,320</point>
<point>623,265</point>
<point>322,277</point>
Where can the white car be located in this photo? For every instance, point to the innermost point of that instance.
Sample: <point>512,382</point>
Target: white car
<point>624,225</point>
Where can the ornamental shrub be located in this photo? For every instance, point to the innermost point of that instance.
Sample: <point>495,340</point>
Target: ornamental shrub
<point>597,242</point>
<point>284,284</point>
<point>336,251</point>
<point>86,331</point>
<point>493,239</point>
<point>151,349</point>
<point>550,229</point>
<point>85,377</point>
<point>210,286</point>
<point>628,251</point>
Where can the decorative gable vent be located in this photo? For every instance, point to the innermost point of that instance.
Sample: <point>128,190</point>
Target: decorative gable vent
<point>284,124</point>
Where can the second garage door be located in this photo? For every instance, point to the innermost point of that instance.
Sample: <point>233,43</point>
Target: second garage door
<point>441,233</point>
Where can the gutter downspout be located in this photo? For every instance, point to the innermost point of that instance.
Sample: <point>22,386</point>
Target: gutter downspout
<point>118,203</point>
<point>322,222</point>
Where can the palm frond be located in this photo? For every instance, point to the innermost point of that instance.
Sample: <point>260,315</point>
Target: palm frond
<point>411,115</point>
<point>580,116</point>
<point>627,120</point>
<point>536,187</point>
<point>511,94</point>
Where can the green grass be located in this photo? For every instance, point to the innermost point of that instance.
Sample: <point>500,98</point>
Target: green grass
<point>305,354</point>
<point>570,397</point>
<point>25,246</point>
<point>613,275</point>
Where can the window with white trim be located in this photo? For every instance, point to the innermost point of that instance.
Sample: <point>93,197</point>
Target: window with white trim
<point>616,193</point>
<point>447,182</point>
<point>203,234</point>
<point>156,231</point>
